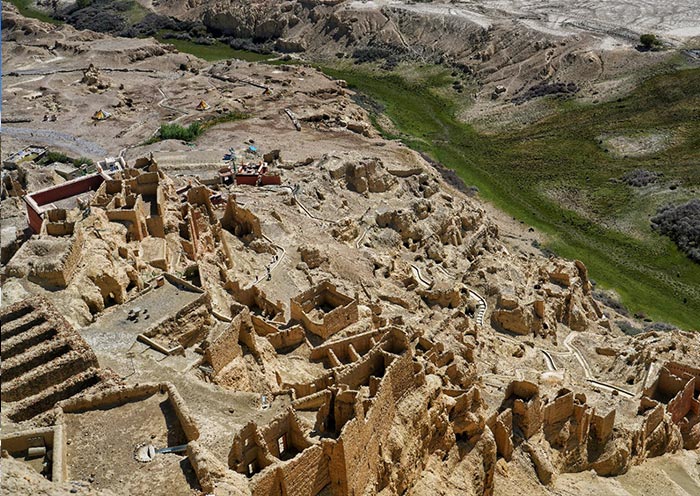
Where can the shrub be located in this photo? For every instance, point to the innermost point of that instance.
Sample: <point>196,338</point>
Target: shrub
<point>660,326</point>
<point>50,157</point>
<point>80,161</point>
<point>681,223</point>
<point>650,41</point>
<point>640,177</point>
<point>178,132</point>
<point>220,119</point>
<point>194,130</point>
<point>609,301</point>
<point>98,18</point>
<point>627,328</point>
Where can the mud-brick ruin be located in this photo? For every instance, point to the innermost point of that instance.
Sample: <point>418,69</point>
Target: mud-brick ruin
<point>167,337</point>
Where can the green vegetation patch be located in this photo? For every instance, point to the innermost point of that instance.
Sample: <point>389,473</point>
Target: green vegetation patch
<point>178,132</point>
<point>214,51</point>
<point>608,228</point>
<point>193,131</point>
<point>52,156</point>
<point>26,8</point>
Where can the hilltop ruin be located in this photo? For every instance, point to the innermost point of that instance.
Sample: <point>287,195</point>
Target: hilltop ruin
<point>355,326</point>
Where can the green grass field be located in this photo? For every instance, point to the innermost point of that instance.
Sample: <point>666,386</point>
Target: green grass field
<point>26,8</point>
<point>212,53</point>
<point>194,130</point>
<point>516,169</point>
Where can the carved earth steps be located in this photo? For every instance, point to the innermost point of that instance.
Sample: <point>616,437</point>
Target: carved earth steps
<point>24,362</point>
<point>46,399</point>
<point>49,374</point>
<point>44,360</point>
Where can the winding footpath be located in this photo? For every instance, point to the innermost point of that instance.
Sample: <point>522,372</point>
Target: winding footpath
<point>481,307</point>
<point>419,277</point>
<point>281,253</point>
<point>587,372</point>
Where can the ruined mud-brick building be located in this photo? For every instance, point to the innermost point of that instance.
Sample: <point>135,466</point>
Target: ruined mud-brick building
<point>663,419</point>
<point>677,386</point>
<point>68,195</point>
<point>323,310</point>
<point>326,392</point>
<point>355,407</point>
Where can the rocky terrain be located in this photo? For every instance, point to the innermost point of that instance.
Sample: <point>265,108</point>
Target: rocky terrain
<point>364,327</point>
<point>506,51</point>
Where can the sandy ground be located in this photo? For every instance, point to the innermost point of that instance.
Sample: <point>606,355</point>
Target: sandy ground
<point>102,442</point>
<point>673,475</point>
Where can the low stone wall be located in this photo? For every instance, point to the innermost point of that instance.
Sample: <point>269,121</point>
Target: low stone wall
<point>119,395</point>
<point>52,438</point>
<point>286,338</point>
<point>360,343</point>
<point>225,348</point>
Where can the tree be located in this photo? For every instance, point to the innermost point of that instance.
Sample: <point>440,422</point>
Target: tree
<point>650,41</point>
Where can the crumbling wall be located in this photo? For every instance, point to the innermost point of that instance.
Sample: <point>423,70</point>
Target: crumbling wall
<point>306,388</point>
<point>357,375</point>
<point>682,403</point>
<point>560,409</point>
<point>225,348</point>
<point>602,425</point>
<point>356,459</point>
<point>259,304</point>
<point>155,252</point>
<point>191,322</point>
<point>307,474</point>
<point>680,369</point>
<point>50,438</point>
<point>56,223</point>
<point>240,221</point>
<point>284,425</point>
<point>132,218</point>
<point>502,428</point>
<point>348,349</point>
<point>50,261</point>
<point>287,337</point>
<point>267,483</point>
<point>121,394</point>
<point>214,477</point>
<point>262,326</point>
<point>527,407</point>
